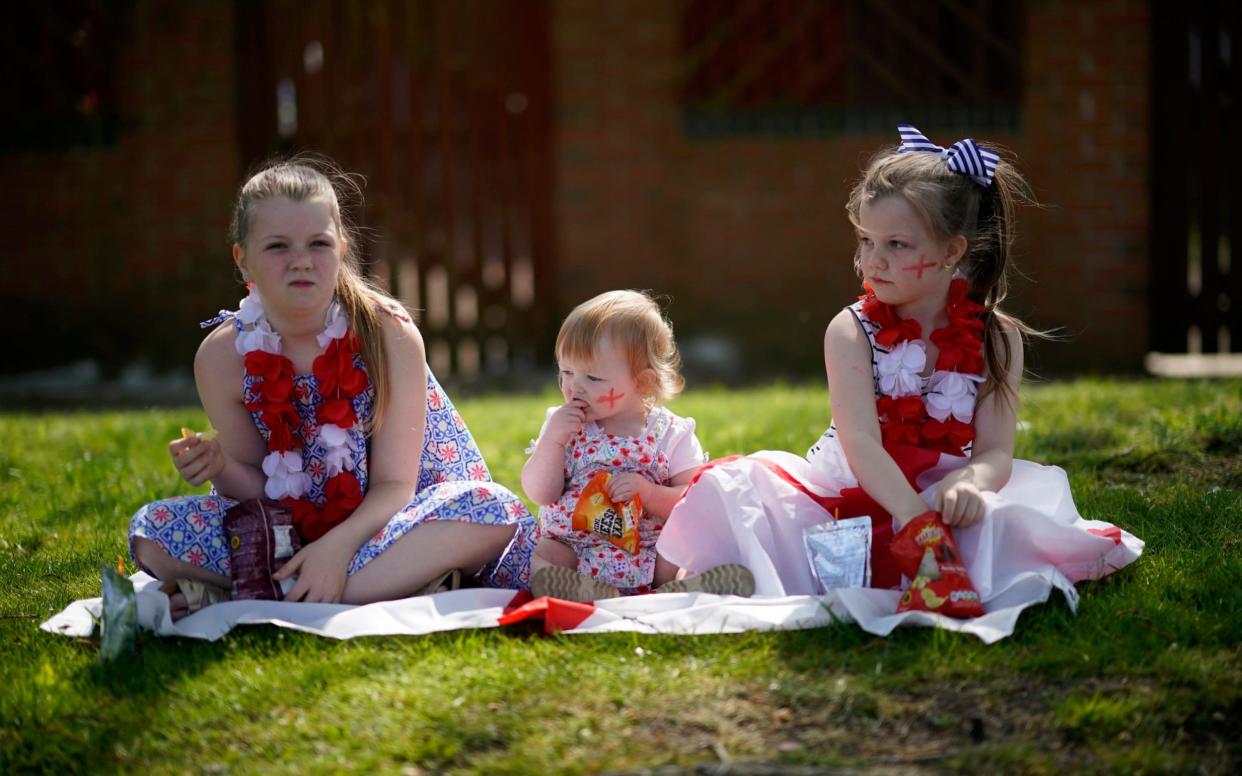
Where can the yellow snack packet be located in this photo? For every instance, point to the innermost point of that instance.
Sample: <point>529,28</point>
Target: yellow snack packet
<point>595,512</point>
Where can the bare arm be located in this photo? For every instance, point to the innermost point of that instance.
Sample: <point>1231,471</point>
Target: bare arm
<point>543,476</point>
<point>658,500</point>
<point>847,359</point>
<point>991,459</point>
<point>236,455</point>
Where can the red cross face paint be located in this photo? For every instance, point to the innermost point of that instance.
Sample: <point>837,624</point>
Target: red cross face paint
<point>612,398</point>
<point>918,268</point>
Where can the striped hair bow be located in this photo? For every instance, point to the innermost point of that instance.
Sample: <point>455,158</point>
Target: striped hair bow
<point>965,156</point>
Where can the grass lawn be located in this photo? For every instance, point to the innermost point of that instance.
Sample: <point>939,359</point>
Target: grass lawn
<point>1146,678</point>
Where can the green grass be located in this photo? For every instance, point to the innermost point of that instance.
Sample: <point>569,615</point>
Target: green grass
<point>1147,677</point>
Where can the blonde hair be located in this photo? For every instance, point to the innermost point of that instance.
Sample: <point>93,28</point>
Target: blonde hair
<point>634,322</point>
<point>952,204</point>
<point>308,177</point>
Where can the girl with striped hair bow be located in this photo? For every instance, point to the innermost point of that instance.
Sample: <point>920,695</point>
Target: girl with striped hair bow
<point>923,375</point>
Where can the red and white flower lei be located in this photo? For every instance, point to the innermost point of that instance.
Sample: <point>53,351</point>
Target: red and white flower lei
<point>339,381</point>
<point>943,419</point>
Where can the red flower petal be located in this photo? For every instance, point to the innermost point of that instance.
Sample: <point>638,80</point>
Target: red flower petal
<point>337,411</point>
<point>353,381</point>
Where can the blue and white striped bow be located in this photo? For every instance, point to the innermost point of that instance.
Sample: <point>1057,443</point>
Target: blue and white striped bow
<point>965,156</point>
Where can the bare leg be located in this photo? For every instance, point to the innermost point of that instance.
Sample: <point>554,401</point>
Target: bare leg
<point>550,552</point>
<point>554,572</point>
<point>666,571</point>
<point>426,552</point>
<point>167,568</point>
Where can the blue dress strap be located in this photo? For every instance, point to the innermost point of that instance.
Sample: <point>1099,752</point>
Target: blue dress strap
<point>221,318</point>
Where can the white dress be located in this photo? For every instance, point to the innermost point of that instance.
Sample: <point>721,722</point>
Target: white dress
<point>753,510</point>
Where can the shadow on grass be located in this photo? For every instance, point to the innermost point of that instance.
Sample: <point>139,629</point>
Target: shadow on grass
<point>54,729</point>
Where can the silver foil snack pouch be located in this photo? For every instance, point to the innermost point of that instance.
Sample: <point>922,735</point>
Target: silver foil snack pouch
<point>839,552</point>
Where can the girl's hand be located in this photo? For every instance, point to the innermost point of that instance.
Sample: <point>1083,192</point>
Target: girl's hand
<point>566,421</point>
<point>197,458</point>
<point>320,567</point>
<point>623,487</point>
<point>960,502</point>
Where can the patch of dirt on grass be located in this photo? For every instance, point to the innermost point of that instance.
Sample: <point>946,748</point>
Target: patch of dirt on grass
<point>1131,466</point>
<point>1008,725</point>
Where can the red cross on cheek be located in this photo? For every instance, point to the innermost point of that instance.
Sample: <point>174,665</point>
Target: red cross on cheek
<point>612,398</point>
<point>922,265</point>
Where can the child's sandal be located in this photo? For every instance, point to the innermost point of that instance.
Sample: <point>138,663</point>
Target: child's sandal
<point>444,583</point>
<point>729,579</point>
<point>569,585</point>
<point>196,594</point>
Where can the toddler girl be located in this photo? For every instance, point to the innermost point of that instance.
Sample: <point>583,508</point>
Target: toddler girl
<point>618,364</point>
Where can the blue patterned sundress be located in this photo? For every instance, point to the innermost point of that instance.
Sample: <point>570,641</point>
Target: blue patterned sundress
<point>453,484</point>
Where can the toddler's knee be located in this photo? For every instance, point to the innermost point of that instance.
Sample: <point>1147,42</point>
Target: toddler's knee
<point>556,553</point>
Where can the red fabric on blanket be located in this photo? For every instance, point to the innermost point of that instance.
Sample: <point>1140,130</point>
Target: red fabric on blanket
<point>557,615</point>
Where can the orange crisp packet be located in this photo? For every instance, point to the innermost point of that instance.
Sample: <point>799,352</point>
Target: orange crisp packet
<point>595,512</point>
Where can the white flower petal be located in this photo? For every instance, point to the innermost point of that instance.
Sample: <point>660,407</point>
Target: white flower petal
<point>271,464</point>
<point>900,369</point>
<point>333,435</point>
<point>275,488</point>
<point>938,406</point>
<point>952,393</point>
<point>260,337</point>
<point>292,461</point>
<point>335,327</point>
<point>338,460</point>
<point>251,308</point>
<point>298,484</point>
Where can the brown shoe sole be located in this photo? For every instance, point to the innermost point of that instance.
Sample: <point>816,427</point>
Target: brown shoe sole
<point>569,585</point>
<point>729,579</point>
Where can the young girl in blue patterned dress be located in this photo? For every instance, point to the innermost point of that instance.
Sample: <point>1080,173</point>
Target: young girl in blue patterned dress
<point>618,362</point>
<point>319,391</point>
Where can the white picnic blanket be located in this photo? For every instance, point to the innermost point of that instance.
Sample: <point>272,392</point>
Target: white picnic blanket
<point>668,613</point>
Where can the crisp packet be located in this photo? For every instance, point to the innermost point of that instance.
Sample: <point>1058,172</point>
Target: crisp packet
<point>840,552</point>
<point>261,538</point>
<point>119,622</point>
<point>926,553</point>
<point>595,512</point>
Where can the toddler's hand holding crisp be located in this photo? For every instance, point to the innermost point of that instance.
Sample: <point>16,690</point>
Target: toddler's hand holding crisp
<point>625,486</point>
<point>960,502</point>
<point>566,421</point>
<point>198,457</point>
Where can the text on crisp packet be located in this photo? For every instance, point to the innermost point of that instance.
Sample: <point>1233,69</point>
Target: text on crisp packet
<point>595,512</point>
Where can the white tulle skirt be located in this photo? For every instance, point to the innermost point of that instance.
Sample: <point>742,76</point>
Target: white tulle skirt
<point>753,511</point>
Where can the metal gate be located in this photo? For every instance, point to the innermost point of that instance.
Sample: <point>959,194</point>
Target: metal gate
<point>445,107</point>
<point>1196,288</point>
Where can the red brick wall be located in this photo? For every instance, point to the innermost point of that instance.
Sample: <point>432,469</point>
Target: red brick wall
<point>1085,146</point>
<point>749,236</point>
<point>746,234</point>
<point>131,239</point>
